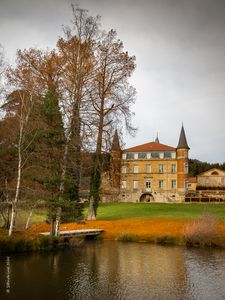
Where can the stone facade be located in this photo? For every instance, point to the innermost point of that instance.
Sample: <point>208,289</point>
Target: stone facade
<point>152,172</point>
<point>209,187</point>
<point>213,178</point>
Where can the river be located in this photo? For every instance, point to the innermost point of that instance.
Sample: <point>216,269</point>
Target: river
<point>114,270</point>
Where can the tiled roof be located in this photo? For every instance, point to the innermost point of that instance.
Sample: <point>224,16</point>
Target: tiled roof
<point>152,146</point>
<point>116,143</point>
<point>192,179</point>
<point>182,140</point>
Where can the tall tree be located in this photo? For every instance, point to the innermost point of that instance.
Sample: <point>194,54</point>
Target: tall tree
<point>25,104</point>
<point>34,106</point>
<point>75,53</point>
<point>111,98</point>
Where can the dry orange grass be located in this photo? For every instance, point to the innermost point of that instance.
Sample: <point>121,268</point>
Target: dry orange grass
<point>142,229</point>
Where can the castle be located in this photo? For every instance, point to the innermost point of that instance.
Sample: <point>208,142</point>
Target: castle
<point>151,172</point>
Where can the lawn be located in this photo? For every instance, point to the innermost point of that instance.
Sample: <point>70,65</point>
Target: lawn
<point>143,221</point>
<point>118,211</point>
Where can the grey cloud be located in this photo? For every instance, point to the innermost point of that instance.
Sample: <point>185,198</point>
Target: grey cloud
<point>179,45</point>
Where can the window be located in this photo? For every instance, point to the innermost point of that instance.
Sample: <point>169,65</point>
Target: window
<point>124,169</point>
<point>142,155</point>
<point>161,168</point>
<point>186,167</point>
<point>148,168</point>
<point>130,155</point>
<point>135,155</point>
<point>186,184</point>
<point>148,184</point>
<point>185,154</point>
<point>124,156</point>
<point>135,169</point>
<point>214,173</point>
<point>161,184</point>
<point>123,184</point>
<point>167,154</point>
<point>155,154</point>
<point>135,184</point>
<point>173,168</point>
<point>173,184</point>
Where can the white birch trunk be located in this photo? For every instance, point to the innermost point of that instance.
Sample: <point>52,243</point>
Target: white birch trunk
<point>14,204</point>
<point>24,117</point>
<point>57,222</point>
<point>28,219</point>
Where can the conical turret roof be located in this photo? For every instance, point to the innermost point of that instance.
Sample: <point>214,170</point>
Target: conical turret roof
<point>182,140</point>
<point>157,138</point>
<point>116,142</point>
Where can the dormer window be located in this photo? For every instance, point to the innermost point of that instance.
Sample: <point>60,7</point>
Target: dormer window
<point>167,154</point>
<point>130,155</point>
<point>142,155</point>
<point>214,173</point>
<point>155,154</point>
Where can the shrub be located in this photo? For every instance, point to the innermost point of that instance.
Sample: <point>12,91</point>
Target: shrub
<point>202,232</point>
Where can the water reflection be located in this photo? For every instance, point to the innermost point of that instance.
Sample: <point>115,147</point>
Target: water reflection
<point>8,274</point>
<point>115,270</point>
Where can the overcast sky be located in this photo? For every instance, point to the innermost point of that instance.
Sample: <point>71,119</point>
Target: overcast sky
<point>180,53</point>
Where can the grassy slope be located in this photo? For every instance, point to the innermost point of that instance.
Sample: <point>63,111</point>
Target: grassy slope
<point>118,211</point>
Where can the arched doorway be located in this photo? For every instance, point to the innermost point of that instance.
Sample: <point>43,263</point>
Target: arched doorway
<point>147,197</point>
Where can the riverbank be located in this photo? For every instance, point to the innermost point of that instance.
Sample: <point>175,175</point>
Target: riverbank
<point>162,231</point>
<point>158,231</point>
<point>197,225</point>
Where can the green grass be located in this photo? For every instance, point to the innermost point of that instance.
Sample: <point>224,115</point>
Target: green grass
<point>116,211</point>
<point>39,216</point>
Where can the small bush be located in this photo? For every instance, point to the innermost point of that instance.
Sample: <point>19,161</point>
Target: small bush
<point>201,233</point>
<point>47,243</point>
<point>24,244</point>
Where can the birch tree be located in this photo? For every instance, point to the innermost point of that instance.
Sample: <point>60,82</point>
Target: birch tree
<point>75,53</point>
<point>25,105</point>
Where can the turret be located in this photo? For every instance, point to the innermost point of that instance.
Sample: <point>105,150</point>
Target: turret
<point>157,139</point>
<point>182,162</point>
<point>116,161</point>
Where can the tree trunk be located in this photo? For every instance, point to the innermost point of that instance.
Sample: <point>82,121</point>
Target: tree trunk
<point>19,167</point>
<point>91,211</point>
<point>12,221</point>
<point>29,218</point>
<point>57,221</point>
<point>97,163</point>
<point>52,231</point>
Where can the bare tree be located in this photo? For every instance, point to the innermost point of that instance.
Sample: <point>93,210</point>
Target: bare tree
<point>75,53</point>
<point>112,97</point>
